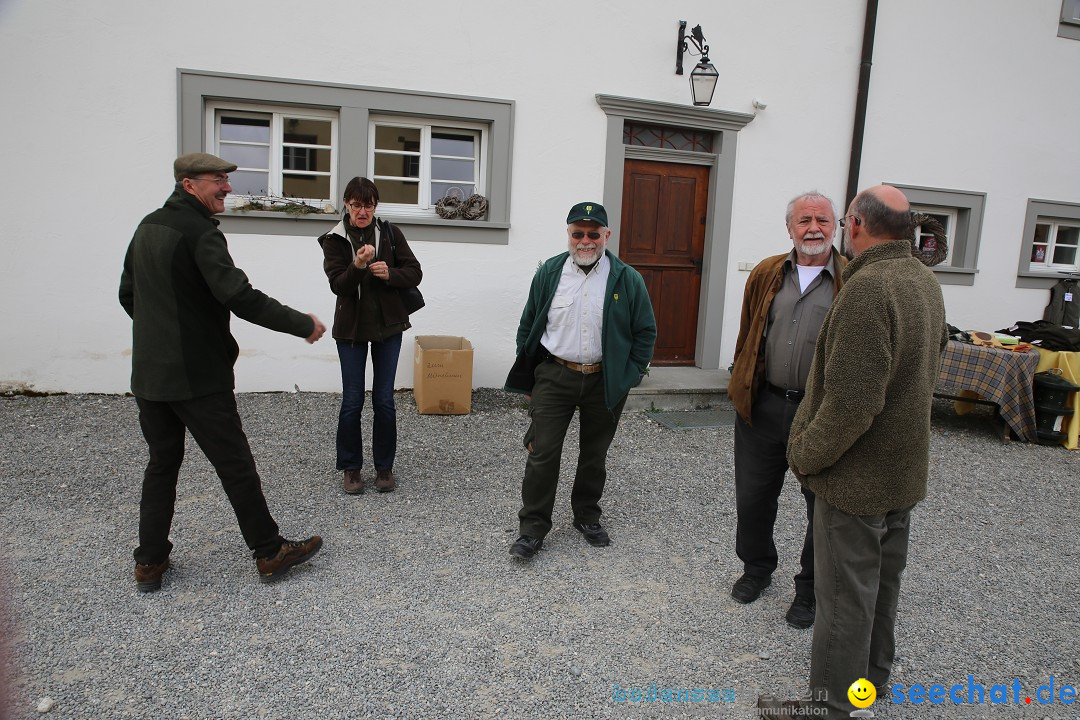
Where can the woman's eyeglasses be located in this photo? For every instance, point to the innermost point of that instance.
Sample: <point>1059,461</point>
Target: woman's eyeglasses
<point>579,234</point>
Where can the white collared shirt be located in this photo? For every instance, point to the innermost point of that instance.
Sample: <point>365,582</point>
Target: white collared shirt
<point>576,318</point>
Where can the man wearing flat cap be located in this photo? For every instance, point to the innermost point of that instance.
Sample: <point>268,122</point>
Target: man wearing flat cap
<point>180,287</point>
<point>585,338</point>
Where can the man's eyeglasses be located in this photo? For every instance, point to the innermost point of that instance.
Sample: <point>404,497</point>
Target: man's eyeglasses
<point>356,207</point>
<point>579,234</point>
<point>858,220</point>
<point>221,180</point>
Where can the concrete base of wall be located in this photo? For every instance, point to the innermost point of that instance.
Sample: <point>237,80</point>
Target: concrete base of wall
<point>679,388</point>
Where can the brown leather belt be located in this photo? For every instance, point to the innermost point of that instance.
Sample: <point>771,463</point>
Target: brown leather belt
<point>586,369</point>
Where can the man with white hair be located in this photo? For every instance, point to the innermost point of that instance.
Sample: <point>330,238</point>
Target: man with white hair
<point>589,329</point>
<point>784,302</point>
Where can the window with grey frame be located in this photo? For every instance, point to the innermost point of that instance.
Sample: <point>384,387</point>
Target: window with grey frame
<point>1051,241</point>
<point>218,110</point>
<point>279,151</point>
<point>960,212</point>
<point>1069,25</point>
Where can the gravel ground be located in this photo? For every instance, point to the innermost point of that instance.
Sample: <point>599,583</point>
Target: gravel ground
<point>414,609</point>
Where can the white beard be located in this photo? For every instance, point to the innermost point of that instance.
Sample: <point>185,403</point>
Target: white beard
<point>597,253</point>
<point>813,250</point>
<point>808,249</point>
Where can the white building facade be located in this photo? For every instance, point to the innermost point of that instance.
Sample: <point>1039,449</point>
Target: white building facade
<point>970,107</point>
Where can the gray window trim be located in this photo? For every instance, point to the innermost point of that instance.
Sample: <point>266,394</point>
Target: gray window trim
<point>969,208</point>
<point>354,104</point>
<point>1069,26</point>
<point>1036,209</point>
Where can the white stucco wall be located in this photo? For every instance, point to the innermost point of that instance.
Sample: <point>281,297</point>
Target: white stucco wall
<point>91,122</point>
<point>978,97</point>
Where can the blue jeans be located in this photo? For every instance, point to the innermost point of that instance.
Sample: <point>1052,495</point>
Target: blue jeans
<point>350,441</point>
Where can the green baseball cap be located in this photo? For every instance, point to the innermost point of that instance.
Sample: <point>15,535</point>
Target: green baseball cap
<point>592,211</point>
<point>198,163</point>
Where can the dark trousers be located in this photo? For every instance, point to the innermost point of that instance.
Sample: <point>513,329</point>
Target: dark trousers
<point>760,468</point>
<point>557,393</point>
<point>350,439</point>
<point>859,561</point>
<point>214,423</point>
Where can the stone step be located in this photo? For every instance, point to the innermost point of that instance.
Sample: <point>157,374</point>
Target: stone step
<point>679,388</point>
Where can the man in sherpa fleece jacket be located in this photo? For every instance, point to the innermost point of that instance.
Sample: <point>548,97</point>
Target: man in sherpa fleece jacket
<point>861,439</point>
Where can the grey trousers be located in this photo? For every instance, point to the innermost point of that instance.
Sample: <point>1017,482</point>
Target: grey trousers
<point>858,561</point>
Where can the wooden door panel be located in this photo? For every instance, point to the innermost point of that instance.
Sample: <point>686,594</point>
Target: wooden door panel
<point>645,196</point>
<point>663,236</point>
<point>675,233</point>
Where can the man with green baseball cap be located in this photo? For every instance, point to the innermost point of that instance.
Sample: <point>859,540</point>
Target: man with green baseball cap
<point>585,338</point>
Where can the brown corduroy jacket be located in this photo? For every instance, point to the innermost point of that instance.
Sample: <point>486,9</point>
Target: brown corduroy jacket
<point>748,371</point>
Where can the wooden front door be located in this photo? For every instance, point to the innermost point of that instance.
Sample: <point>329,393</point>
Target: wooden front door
<point>663,236</point>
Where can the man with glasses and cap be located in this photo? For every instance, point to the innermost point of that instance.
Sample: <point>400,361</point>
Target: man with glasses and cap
<point>588,331</point>
<point>180,287</point>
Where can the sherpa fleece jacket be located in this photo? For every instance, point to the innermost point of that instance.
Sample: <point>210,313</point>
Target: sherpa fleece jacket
<point>180,287</point>
<point>629,329</point>
<point>862,431</point>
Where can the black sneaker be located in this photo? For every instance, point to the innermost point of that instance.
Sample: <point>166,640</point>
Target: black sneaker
<point>801,613</point>
<point>292,552</point>
<point>594,533</point>
<point>526,546</point>
<point>747,588</point>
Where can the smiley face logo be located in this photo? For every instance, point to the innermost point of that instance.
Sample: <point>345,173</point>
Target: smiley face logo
<point>861,693</point>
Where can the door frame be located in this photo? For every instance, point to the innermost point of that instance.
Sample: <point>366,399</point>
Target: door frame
<point>725,127</point>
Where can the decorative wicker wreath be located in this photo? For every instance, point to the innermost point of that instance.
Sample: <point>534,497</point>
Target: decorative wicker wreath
<point>941,244</point>
<point>449,207</point>
<point>474,208</point>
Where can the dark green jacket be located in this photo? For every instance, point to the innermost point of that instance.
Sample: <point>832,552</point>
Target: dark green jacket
<point>179,286</point>
<point>629,331</point>
<point>862,431</point>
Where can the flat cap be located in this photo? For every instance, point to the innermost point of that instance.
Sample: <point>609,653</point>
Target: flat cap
<point>198,163</point>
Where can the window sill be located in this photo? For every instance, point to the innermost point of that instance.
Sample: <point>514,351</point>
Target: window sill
<point>948,275</point>
<point>1040,280</point>
<point>265,222</point>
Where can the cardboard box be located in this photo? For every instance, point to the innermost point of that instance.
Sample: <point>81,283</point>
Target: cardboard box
<point>442,375</point>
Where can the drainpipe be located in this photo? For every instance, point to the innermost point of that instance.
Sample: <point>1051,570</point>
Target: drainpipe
<point>859,130</point>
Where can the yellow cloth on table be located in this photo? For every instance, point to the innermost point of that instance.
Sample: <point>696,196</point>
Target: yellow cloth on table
<point>1069,364</point>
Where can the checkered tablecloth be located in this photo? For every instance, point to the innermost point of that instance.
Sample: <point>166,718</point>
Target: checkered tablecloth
<point>1003,376</point>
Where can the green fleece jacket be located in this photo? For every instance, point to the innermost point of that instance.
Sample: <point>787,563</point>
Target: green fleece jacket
<point>862,432</point>
<point>179,285</point>
<point>629,330</point>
